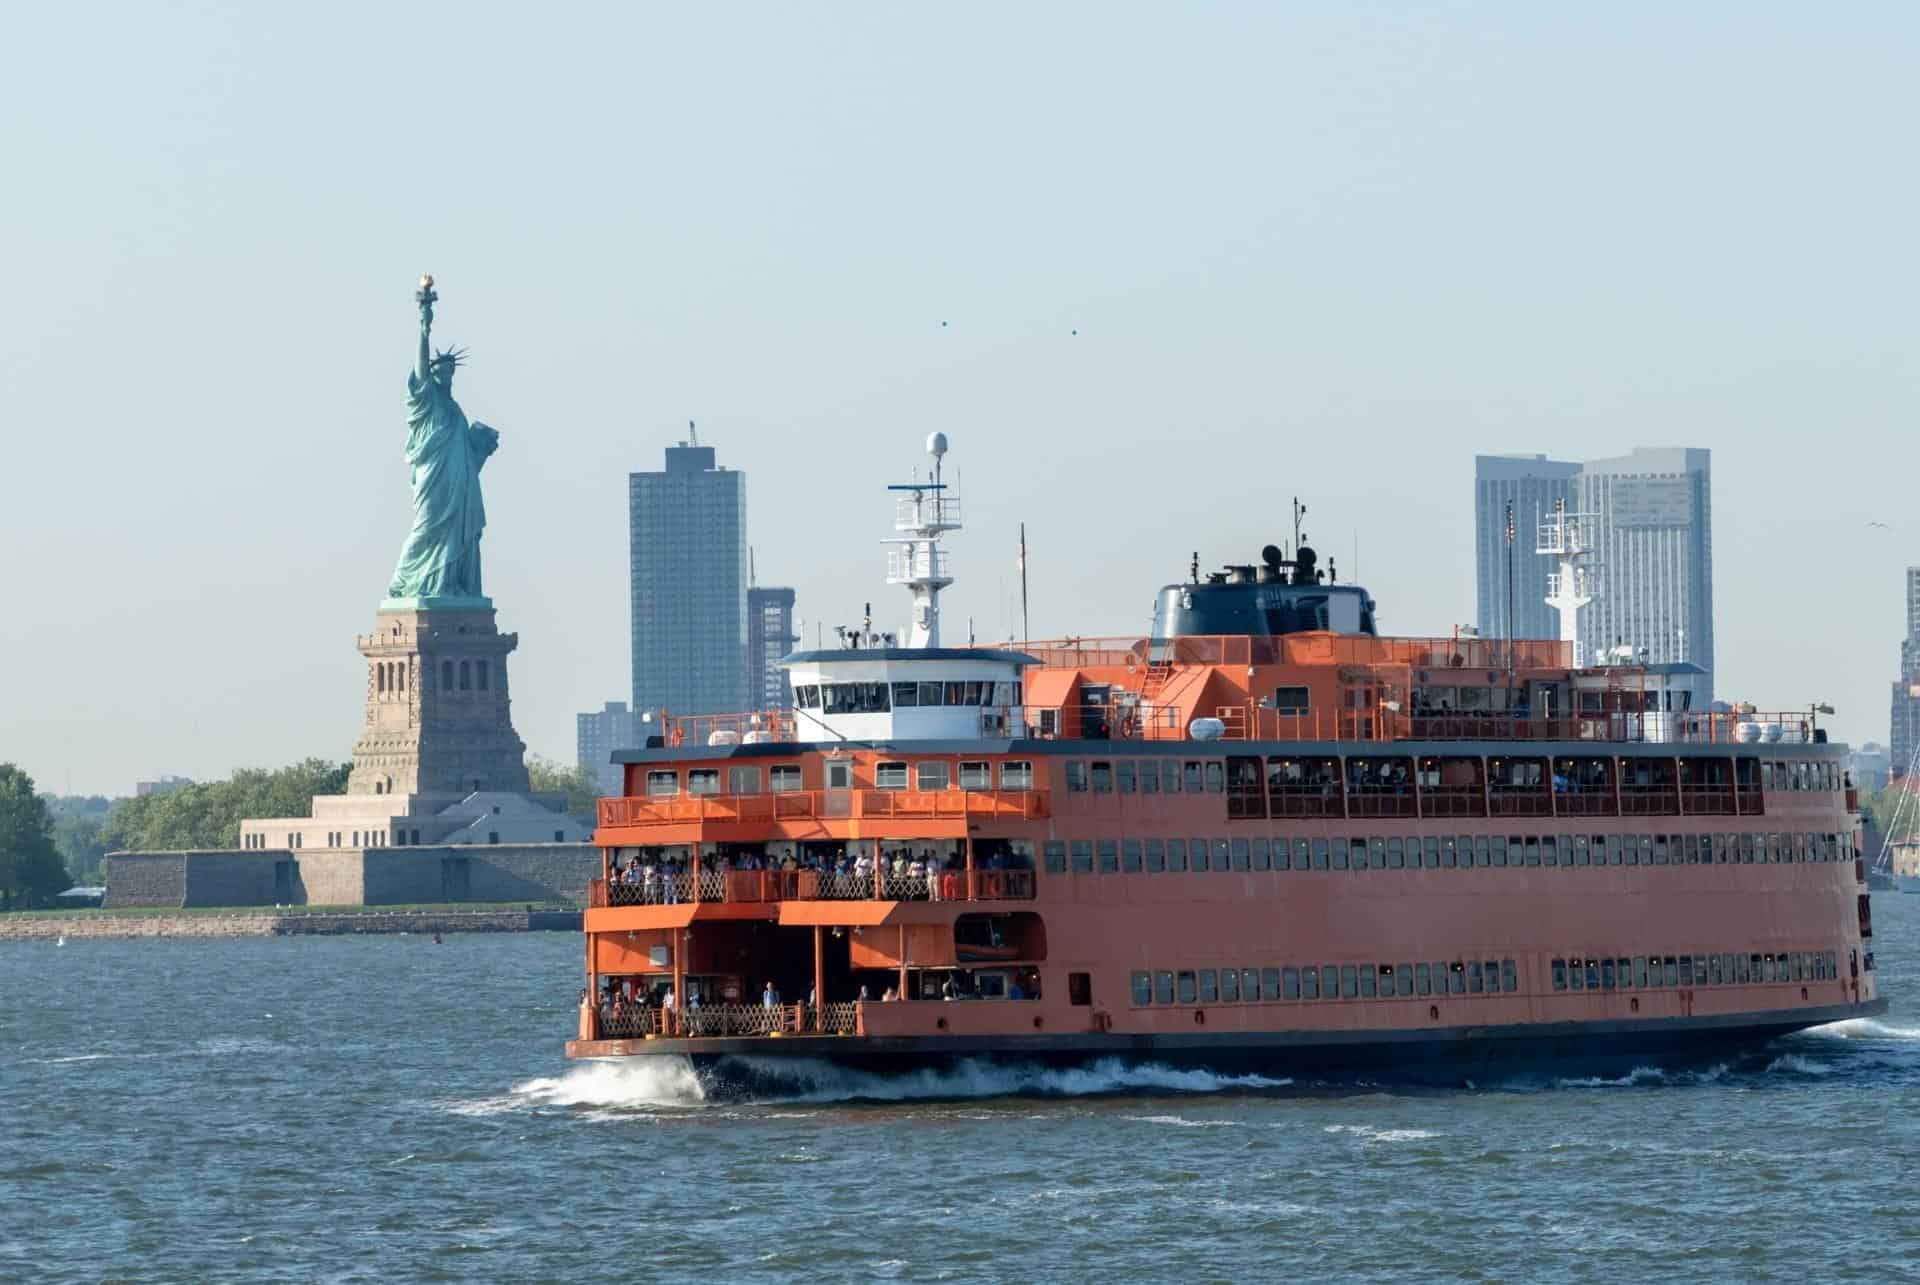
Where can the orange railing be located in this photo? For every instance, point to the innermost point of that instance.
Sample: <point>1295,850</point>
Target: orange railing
<point>801,805</point>
<point>750,886</point>
<point>1303,649</point>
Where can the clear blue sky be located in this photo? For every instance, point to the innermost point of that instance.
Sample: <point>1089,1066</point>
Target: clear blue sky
<point>1332,250</point>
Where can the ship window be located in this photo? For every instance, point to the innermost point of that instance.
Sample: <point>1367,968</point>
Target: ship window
<point>1593,975</point>
<point>1016,774</point>
<point>1319,854</point>
<point>1309,982</point>
<point>1249,984</point>
<point>929,694</point>
<point>1197,851</point>
<point>1142,989</point>
<point>1396,857</point>
<point>976,775</point>
<point>1499,850</point>
<point>743,780</point>
<point>1130,856</point>
<point>1533,851</point>
<point>1386,980</point>
<point>1083,856</point>
<point>1109,856</point>
<point>1102,777</point>
<point>1482,851</point>
<point>1149,777</point>
<point>1049,722</point>
<point>1262,855</point>
<point>1123,776</point>
<point>1229,986</point>
<point>1456,978</point>
<point>1640,972</point>
<point>1449,855</point>
<point>1659,849</point>
<point>856,698</point>
<point>663,785</point>
<point>1176,854</point>
<point>1403,980</point>
<point>1270,983</point>
<point>703,780</point>
<point>1367,976</point>
<point>1191,775</point>
<point>1170,776</point>
<point>1163,988</point>
<point>839,774</point>
<point>1692,842</point>
<point>932,775</point>
<point>1475,983</point>
<point>1290,983</point>
<point>1209,986</point>
<point>1187,988</point>
<point>1714,970</point>
<point>1076,777</point>
<point>1055,854</point>
<point>1216,777</point>
<point>1156,856</point>
<point>1579,849</point>
<point>1670,970</point>
<point>1299,854</point>
<point>1291,700</point>
<point>890,775</point>
<point>1349,981</point>
<point>1606,974</point>
<point>1432,859</point>
<point>906,695</point>
<point>783,779</point>
<point>1240,854</point>
<point>1422,979</point>
<point>1377,853</point>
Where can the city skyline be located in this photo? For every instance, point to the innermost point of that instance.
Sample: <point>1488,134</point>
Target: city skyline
<point>1140,343</point>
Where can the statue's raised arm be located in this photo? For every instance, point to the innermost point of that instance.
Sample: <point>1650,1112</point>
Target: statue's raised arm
<point>426,298</point>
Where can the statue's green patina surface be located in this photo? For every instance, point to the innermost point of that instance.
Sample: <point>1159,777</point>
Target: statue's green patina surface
<point>440,565</point>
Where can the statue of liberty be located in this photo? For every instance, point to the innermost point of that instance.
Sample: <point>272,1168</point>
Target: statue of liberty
<point>441,559</point>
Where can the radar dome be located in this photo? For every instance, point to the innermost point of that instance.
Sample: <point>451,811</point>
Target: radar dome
<point>936,444</point>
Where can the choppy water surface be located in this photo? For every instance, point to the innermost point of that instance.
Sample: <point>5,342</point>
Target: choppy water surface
<point>349,1109</point>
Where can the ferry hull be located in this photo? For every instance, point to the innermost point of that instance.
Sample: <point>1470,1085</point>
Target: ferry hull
<point>1449,1056</point>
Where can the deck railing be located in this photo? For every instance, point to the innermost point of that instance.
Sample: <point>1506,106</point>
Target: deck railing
<point>748,886</point>
<point>803,805</point>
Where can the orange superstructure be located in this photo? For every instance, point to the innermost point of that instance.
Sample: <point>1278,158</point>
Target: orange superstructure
<point>1313,849</point>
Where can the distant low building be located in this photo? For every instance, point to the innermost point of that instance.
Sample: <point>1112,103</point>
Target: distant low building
<point>165,785</point>
<point>599,733</point>
<point>1872,767</point>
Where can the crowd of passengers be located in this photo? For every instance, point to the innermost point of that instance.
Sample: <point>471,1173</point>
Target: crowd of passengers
<point>923,871</point>
<point>625,1000</point>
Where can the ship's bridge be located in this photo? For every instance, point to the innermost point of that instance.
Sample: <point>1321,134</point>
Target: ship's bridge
<point>907,694</point>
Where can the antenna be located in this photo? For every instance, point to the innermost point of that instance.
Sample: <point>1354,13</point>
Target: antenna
<point>1026,633</point>
<point>751,581</point>
<point>693,434</point>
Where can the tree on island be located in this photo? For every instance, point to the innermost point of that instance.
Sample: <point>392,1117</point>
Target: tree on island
<point>30,869</point>
<point>208,815</point>
<point>546,776</point>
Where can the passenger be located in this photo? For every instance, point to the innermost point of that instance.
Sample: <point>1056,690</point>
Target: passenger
<point>889,997</point>
<point>949,991</point>
<point>863,994</point>
<point>1014,990</point>
<point>770,998</point>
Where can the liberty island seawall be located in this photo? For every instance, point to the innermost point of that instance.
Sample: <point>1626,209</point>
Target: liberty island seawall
<point>372,1109</point>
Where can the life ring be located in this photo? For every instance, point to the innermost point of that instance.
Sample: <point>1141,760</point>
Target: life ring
<point>1130,727</point>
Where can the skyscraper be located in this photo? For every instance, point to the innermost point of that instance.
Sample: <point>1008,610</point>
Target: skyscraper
<point>1905,732</point>
<point>1653,549</point>
<point>770,637</point>
<point>599,733</point>
<point>687,552</point>
<point>1531,483</point>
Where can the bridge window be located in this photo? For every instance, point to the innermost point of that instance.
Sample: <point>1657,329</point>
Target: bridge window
<point>663,785</point>
<point>1102,777</point>
<point>932,775</point>
<point>1056,856</point>
<point>1123,776</point>
<point>906,695</point>
<point>807,696</point>
<point>1082,850</point>
<point>784,778</point>
<point>976,775</point>
<point>743,780</point>
<point>856,698</point>
<point>703,780</point>
<point>890,776</point>
<point>1163,988</point>
<point>1076,777</point>
<point>1015,774</point>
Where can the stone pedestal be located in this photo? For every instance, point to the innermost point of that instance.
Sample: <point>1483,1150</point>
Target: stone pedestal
<point>438,722</point>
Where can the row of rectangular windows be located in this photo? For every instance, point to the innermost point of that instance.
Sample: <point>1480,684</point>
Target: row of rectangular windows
<point>932,774</point>
<point>1193,776</point>
<point>1642,972</point>
<point>1323,981</point>
<point>1158,856</point>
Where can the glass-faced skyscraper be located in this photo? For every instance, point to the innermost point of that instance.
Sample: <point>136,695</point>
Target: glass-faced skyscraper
<point>1652,551</point>
<point>687,552</point>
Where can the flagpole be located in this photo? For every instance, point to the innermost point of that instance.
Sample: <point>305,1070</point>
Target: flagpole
<point>1510,628</point>
<point>1026,631</point>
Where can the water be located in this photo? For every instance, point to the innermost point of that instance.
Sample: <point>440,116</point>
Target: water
<point>374,1109</point>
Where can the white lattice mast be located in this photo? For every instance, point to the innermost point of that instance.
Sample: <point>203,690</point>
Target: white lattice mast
<point>922,513</point>
<point>1568,538</point>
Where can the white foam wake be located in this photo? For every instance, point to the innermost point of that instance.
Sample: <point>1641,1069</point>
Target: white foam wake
<point>629,1082</point>
<point>1863,1028</point>
<point>812,1081</point>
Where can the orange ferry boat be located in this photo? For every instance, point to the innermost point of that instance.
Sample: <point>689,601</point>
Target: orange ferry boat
<point>1263,838</point>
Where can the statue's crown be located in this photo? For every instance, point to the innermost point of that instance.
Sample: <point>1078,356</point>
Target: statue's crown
<point>450,357</point>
